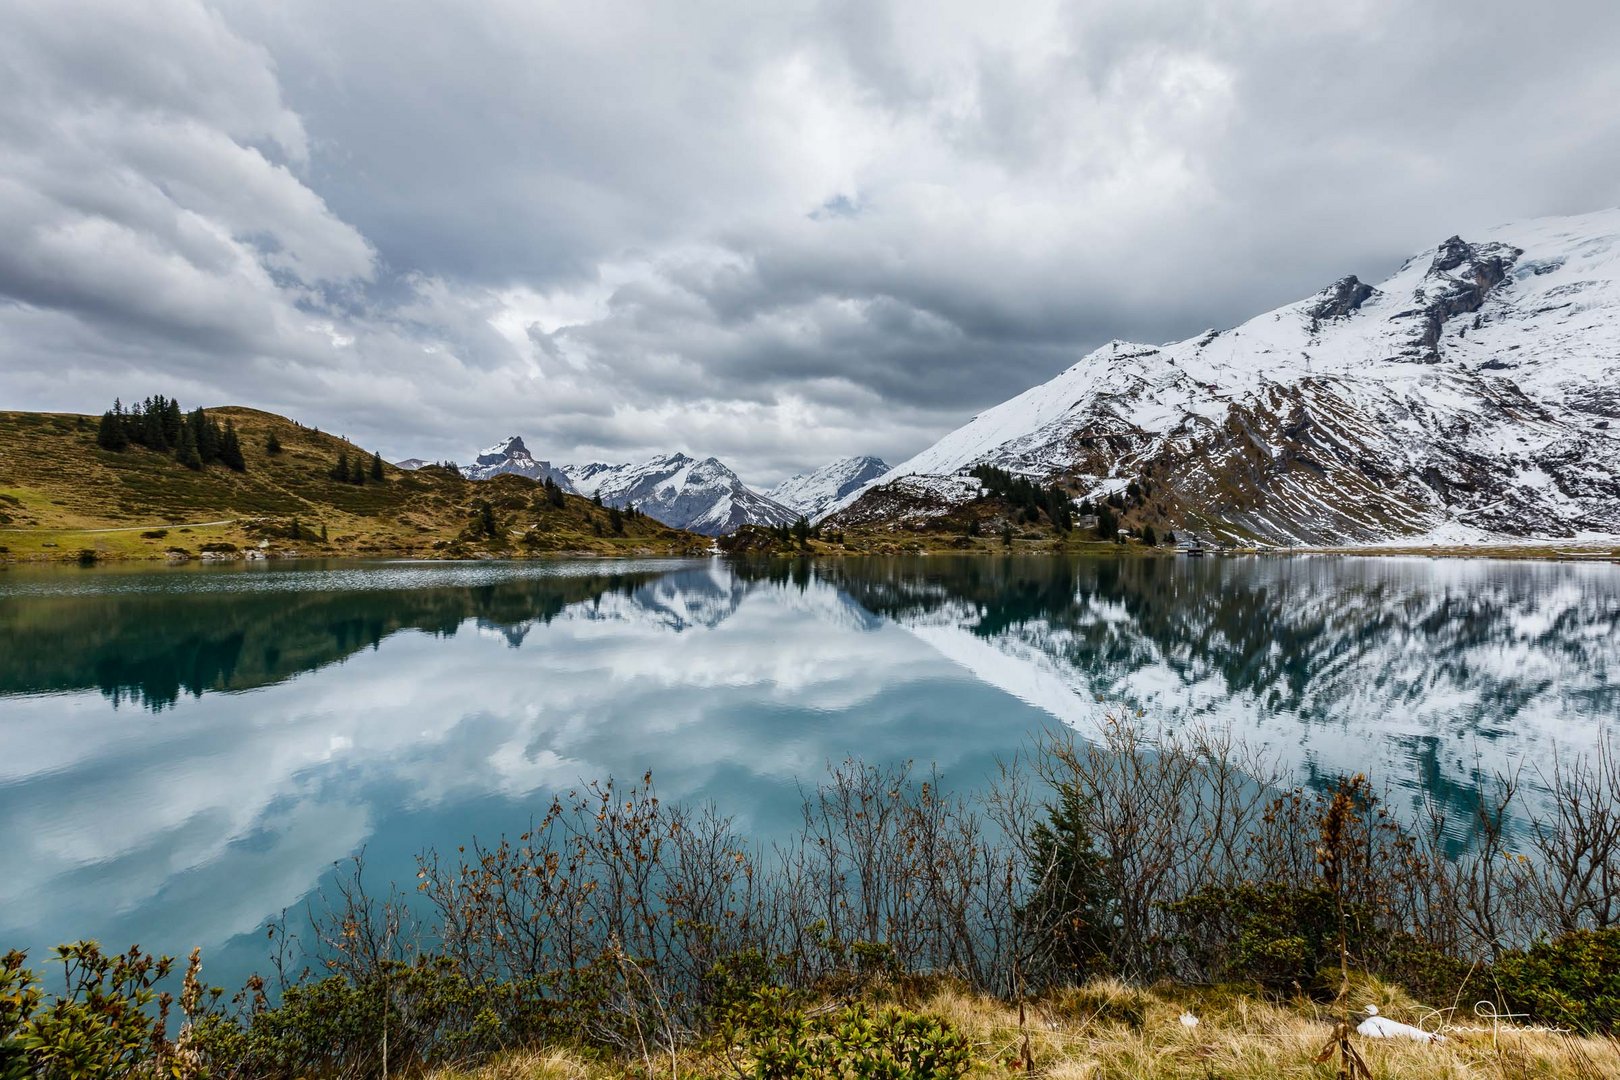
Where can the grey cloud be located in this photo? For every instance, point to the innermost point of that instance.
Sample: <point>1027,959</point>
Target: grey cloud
<point>776,235</point>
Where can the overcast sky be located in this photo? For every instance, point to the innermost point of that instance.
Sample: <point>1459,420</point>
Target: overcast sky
<point>778,233</point>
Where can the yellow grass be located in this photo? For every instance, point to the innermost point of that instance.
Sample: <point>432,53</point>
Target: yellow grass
<point>1109,1031</point>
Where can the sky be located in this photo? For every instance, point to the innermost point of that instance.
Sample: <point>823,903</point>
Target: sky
<point>778,233</point>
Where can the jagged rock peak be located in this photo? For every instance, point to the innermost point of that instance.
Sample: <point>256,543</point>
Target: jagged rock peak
<point>1340,299</point>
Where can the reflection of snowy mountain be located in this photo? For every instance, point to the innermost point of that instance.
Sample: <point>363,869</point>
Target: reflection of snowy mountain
<point>1407,669</point>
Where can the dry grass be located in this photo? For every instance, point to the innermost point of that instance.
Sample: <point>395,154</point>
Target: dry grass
<point>1109,1031</point>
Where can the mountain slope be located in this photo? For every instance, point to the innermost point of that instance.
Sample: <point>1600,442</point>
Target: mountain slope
<point>699,496</point>
<point>812,492</point>
<point>1471,395</point>
<point>61,493</point>
<point>510,457</point>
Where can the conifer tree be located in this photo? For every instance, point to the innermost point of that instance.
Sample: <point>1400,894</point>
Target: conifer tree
<point>1107,523</point>
<point>615,520</point>
<point>486,518</point>
<point>186,452</point>
<point>153,435</point>
<point>173,419</point>
<point>110,434</point>
<point>205,434</point>
<point>801,533</point>
<point>323,532</point>
<point>357,475</point>
<point>1149,536</point>
<point>272,445</point>
<point>376,466</point>
<point>230,449</point>
<point>340,471</point>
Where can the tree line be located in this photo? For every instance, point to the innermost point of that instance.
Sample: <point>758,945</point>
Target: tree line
<point>1029,498</point>
<point>195,439</point>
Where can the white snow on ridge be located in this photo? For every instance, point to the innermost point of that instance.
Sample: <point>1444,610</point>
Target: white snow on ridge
<point>811,493</point>
<point>1502,352</point>
<point>681,491</point>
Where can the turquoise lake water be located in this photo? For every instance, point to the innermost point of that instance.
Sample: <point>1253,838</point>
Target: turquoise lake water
<point>186,752</point>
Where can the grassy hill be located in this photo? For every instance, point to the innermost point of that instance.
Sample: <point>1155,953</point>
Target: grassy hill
<point>61,495</point>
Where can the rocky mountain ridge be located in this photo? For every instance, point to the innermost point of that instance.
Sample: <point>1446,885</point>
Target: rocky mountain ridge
<point>702,496</point>
<point>1470,396</point>
<point>813,492</point>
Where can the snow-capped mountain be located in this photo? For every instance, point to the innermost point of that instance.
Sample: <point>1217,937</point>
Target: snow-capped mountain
<point>1472,395</point>
<point>411,464</point>
<point>511,456</point>
<point>701,496</point>
<point>812,492</point>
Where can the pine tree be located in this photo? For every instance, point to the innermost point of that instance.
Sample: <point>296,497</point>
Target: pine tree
<point>272,445</point>
<point>205,434</point>
<point>486,518</point>
<point>152,429</point>
<point>340,471</point>
<point>186,452</point>
<point>357,475</point>
<point>596,499</point>
<point>230,449</point>
<point>1107,523</point>
<point>323,532</point>
<point>294,529</point>
<point>1068,915</point>
<point>376,466</point>
<point>801,533</point>
<point>615,521</point>
<point>1149,537</point>
<point>1006,534</point>
<point>1170,538</point>
<point>110,434</point>
<point>173,419</point>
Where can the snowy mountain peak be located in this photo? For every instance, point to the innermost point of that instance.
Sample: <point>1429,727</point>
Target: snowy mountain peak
<point>510,455</point>
<point>812,493</point>
<point>679,490</point>
<point>1474,393</point>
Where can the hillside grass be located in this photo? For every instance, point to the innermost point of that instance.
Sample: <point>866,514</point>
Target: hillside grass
<point>61,494</point>
<point>1108,1030</point>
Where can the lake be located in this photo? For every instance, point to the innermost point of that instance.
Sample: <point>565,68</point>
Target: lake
<point>185,752</point>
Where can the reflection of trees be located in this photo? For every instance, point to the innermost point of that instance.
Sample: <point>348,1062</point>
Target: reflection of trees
<point>151,647</point>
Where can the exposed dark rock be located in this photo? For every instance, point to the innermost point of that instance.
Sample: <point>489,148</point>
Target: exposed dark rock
<point>1341,298</point>
<point>1481,269</point>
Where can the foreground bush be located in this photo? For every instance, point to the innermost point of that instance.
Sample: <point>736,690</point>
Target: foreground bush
<point>1573,980</point>
<point>633,930</point>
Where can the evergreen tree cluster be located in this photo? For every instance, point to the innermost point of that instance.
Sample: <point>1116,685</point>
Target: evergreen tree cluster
<point>551,494</point>
<point>195,438</point>
<point>1027,497</point>
<point>798,534</point>
<point>347,471</point>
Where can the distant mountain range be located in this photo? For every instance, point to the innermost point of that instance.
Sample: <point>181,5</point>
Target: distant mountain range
<point>1473,395</point>
<point>702,496</point>
<point>699,496</point>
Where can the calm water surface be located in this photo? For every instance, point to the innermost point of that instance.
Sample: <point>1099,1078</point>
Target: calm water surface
<point>186,752</point>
